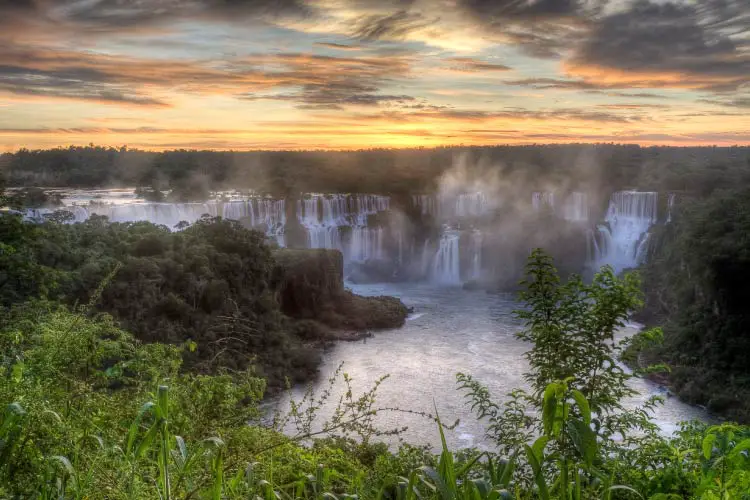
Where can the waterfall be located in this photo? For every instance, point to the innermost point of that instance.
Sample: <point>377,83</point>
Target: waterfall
<point>267,212</point>
<point>449,205</point>
<point>426,258</point>
<point>445,265</point>
<point>425,203</point>
<point>167,214</point>
<point>476,258</point>
<point>543,199</point>
<point>323,216</point>
<point>670,205</point>
<point>366,244</point>
<point>623,240</point>
<point>576,208</point>
<point>470,205</point>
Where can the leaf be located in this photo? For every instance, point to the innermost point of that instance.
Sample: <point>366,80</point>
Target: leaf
<point>583,405</point>
<point>741,446</point>
<point>147,440</point>
<point>624,488</point>
<point>708,445</point>
<point>584,440</point>
<point>133,431</point>
<point>538,447</point>
<point>538,473</point>
<point>17,372</point>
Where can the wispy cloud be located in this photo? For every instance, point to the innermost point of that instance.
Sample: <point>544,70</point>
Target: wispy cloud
<point>354,73</point>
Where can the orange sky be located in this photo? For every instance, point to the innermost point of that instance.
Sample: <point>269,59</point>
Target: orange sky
<point>262,74</point>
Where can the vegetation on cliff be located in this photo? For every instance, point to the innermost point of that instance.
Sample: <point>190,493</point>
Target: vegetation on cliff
<point>697,280</point>
<point>214,285</point>
<point>402,172</point>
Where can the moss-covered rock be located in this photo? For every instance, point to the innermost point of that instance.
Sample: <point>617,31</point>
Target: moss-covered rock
<point>312,288</point>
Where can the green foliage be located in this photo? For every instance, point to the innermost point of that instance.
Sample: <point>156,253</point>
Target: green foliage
<point>90,412</point>
<point>696,282</point>
<point>214,285</point>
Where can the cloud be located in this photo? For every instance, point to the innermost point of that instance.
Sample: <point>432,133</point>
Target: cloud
<point>541,28</point>
<point>553,83</point>
<point>324,82</point>
<point>314,81</point>
<point>390,26</point>
<point>337,46</point>
<point>702,46</point>
<point>112,15</point>
<point>633,106</point>
<point>471,65</point>
<point>739,102</point>
<point>516,114</point>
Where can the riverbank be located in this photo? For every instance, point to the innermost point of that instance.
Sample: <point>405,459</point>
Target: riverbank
<point>450,330</point>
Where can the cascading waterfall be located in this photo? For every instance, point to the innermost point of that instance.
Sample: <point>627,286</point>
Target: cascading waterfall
<point>576,208</point>
<point>449,206</point>
<point>543,199</point>
<point>167,214</point>
<point>477,238</point>
<point>267,212</point>
<point>623,240</point>
<point>470,205</point>
<point>323,216</point>
<point>425,203</point>
<point>446,263</point>
<point>670,205</point>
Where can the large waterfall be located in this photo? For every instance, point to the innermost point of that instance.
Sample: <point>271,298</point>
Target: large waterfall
<point>446,263</point>
<point>622,241</point>
<point>325,216</point>
<point>393,245</point>
<point>575,208</point>
<point>448,206</point>
<point>543,200</point>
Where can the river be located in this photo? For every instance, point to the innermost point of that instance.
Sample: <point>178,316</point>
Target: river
<point>451,330</point>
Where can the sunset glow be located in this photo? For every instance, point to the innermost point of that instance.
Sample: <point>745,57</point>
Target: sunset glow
<point>347,74</point>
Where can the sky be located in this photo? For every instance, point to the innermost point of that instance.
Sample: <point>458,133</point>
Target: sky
<point>351,74</point>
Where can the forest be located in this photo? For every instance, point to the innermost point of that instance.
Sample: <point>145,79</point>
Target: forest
<point>93,411</point>
<point>135,360</point>
<point>192,174</point>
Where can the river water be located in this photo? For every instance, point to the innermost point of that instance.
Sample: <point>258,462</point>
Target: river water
<point>451,330</point>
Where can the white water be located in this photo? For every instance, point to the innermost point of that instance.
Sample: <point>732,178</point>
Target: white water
<point>324,216</point>
<point>343,222</point>
<point>543,199</point>
<point>622,242</point>
<point>446,263</point>
<point>450,206</point>
<point>670,205</point>
<point>476,250</point>
<point>451,330</point>
<point>576,208</point>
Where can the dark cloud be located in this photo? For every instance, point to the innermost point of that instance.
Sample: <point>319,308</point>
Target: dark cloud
<point>739,102</point>
<point>631,95</point>
<point>70,83</point>
<point>633,106</point>
<point>113,15</point>
<point>334,95</point>
<point>541,28</point>
<point>701,45</point>
<point>554,83</point>
<point>310,80</point>
<point>471,65</point>
<point>337,46</point>
<point>528,10</point>
<point>391,26</point>
<point>474,115</point>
